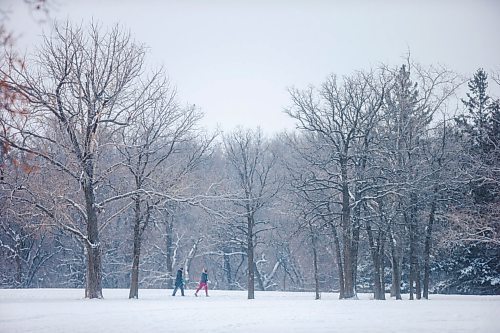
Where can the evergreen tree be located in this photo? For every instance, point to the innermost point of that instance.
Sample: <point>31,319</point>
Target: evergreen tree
<point>468,269</point>
<point>480,129</point>
<point>480,124</point>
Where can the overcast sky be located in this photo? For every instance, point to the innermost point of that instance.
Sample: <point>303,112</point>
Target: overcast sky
<point>235,59</point>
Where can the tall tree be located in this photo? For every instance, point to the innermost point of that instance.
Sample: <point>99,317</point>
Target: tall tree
<point>479,127</point>
<point>480,123</point>
<point>77,91</point>
<point>338,119</point>
<point>409,120</point>
<point>416,96</point>
<point>475,227</point>
<point>160,149</point>
<point>252,161</point>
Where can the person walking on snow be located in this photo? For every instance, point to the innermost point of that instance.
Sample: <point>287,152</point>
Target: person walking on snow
<point>179,282</point>
<point>203,282</point>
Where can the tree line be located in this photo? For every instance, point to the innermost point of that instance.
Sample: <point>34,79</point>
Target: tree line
<point>390,181</point>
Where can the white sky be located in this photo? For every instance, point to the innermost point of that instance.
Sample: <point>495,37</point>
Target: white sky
<point>235,59</point>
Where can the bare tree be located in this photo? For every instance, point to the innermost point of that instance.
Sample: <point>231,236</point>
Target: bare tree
<point>252,161</point>
<point>338,119</point>
<point>159,150</point>
<point>77,91</point>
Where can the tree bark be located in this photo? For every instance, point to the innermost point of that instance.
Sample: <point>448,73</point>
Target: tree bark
<point>19,265</point>
<point>418,285</point>
<point>356,225</point>
<point>349,291</point>
<point>414,279</point>
<point>94,265</point>
<point>170,252</point>
<point>315,262</point>
<point>411,277</point>
<point>377,289</point>
<point>189,259</point>
<point>284,275</point>
<point>381,253</point>
<point>227,269</point>
<point>141,222</point>
<point>259,278</point>
<point>427,249</point>
<point>134,283</point>
<point>396,271</point>
<point>340,266</point>
<point>250,259</point>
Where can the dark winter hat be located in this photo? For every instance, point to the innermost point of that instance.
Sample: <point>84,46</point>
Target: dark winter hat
<point>181,268</point>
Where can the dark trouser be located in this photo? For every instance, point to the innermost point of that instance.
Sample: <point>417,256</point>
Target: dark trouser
<point>177,287</point>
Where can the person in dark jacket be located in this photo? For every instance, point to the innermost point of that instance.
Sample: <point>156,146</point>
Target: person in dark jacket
<point>203,282</point>
<point>179,282</point>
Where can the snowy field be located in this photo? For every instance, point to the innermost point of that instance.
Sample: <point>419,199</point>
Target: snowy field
<point>65,310</point>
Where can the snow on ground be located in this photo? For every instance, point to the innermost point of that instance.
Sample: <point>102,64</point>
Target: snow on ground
<point>65,310</point>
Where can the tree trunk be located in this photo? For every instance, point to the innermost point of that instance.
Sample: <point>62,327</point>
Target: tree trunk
<point>346,236</point>
<point>250,259</point>
<point>411,277</point>
<point>427,249</point>
<point>284,275</point>
<point>259,278</point>
<point>381,253</point>
<point>411,254</point>
<point>377,289</point>
<point>315,262</point>
<point>340,266</point>
<point>170,253</point>
<point>396,271</point>
<point>94,273</point>
<point>418,286</point>
<point>94,265</point>
<point>141,222</point>
<point>355,248</point>
<point>134,278</point>
<point>227,269</point>
<point>189,259</point>
<point>414,264</point>
<point>19,265</point>
<point>134,283</point>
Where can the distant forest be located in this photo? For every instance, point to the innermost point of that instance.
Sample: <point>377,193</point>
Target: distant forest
<point>390,182</point>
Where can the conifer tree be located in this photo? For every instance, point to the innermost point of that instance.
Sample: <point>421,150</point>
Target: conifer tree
<point>481,123</point>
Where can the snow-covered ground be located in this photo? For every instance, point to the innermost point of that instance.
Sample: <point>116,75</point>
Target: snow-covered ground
<point>65,310</point>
